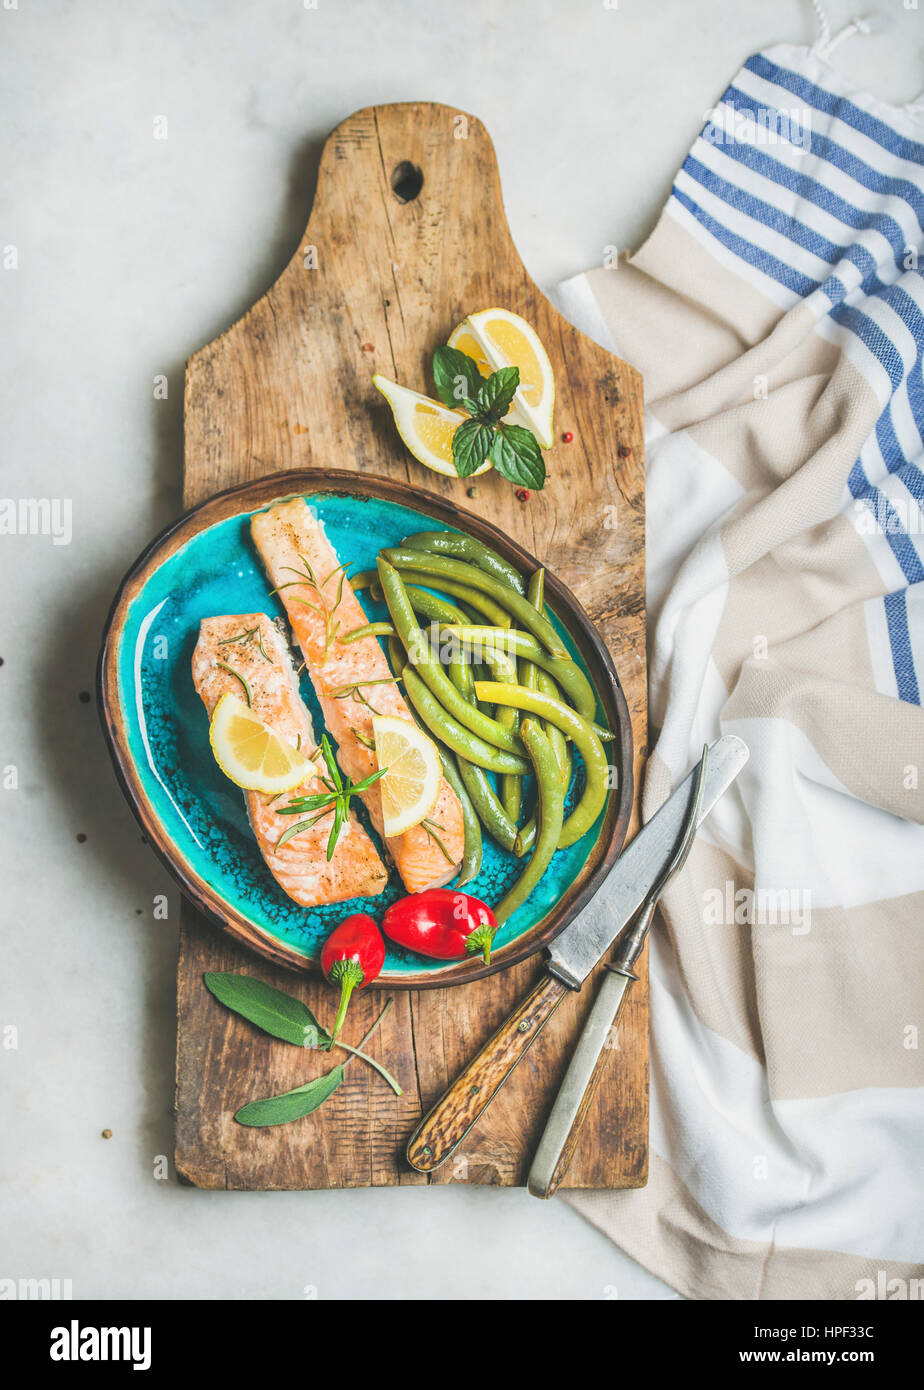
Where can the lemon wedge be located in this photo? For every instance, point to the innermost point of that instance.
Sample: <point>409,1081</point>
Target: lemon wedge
<point>497,338</point>
<point>411,785</point>
<point>425,425</point>
<point>250,753</point>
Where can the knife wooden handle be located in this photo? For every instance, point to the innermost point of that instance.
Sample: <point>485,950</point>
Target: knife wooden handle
<point>469,1097</point>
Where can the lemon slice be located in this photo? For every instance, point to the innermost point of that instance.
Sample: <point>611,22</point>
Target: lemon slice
<point>411,785</point>
<point>497,338</point>
<point>250,753</point>
<point>425,425</point>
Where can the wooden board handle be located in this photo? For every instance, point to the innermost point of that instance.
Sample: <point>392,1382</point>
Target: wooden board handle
<point>447,1124</point>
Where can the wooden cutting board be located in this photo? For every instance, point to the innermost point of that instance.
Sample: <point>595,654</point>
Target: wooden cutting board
<point>408,234</point>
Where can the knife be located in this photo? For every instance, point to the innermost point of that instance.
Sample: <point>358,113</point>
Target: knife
<point>585,1070</point>
<point>571,958</point>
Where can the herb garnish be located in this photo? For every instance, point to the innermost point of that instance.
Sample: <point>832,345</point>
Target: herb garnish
<point>283,1016</point>
<point>245,637</point>
<point>513,450</point>
<point>307,576</point>
<point>336,799</point>
<point>237,676</point>
<point>355,691</point>
<point>431,827</point>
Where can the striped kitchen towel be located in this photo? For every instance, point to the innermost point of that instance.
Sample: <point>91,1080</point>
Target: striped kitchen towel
<point>777,314</point>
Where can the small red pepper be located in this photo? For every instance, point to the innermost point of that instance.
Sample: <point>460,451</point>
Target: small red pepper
<point>352,957</point>
<point>442,923</point>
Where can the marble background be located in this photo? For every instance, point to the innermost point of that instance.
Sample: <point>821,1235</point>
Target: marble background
<point>132,252</point>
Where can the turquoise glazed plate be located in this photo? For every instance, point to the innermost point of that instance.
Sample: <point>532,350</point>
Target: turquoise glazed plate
<point>195,818</point>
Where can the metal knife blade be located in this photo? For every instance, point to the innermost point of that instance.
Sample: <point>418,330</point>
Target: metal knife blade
<point>574,953</point>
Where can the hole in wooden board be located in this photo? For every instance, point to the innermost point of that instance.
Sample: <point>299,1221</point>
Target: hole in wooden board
<point>406,181</point>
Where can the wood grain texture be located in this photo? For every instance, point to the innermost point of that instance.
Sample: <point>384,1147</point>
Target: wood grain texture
<point>376,285</point>
<point>472,1092</point>
<point>588,1101</point>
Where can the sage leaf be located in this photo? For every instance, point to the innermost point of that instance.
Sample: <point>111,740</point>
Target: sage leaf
<point>495,395</point>
<point>277,1013</point>
<point>456,376</point>
<point>516,455</point>
<point>471,444</point>
<point>291,1105</point>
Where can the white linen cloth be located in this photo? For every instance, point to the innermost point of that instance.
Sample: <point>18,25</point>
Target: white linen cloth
<point>777,316</point>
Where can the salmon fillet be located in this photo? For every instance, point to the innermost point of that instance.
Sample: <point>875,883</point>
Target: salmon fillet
<point>300,867</point>
<point>353,680</point>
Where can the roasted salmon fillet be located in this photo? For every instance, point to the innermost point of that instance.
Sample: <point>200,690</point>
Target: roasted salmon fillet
<point>353,680</point>
<point>301,868</point>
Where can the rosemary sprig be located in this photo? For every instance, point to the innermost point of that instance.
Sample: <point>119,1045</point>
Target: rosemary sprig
<point>245,637</point>
<point>323,609</point>
<point>237,676</point>
<point>336,798</point>
<point>431,827</point>
<point>354,691</point>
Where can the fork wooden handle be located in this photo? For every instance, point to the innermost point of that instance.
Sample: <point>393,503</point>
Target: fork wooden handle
<point>447,1124</point>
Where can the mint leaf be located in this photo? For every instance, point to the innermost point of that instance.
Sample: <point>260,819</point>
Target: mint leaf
<point>277,1013</point>
<point>496,394</point>
<point>471,444</point>
<point>516,455</point>
<point>457,377</point>
<point>291,1105</point>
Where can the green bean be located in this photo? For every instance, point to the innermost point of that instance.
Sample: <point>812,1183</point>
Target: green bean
<point>484,798</point>
<point>397,656</point>
<point>551,813</point>
<point>428,667</point>
<point>467,548</point>
<point>535,593</point>
<point>526,837</point>
<point>568,674</point>
<point>463,678</point>
<point>586,741</point>
<point>429,606</point>
<point>363,580</point>
<point>368,630</point>
<point>471,850</point>
<point>484,605</point>
<point>455,735</point>
<point>505,669</point>
<point>546,685</point>
<point>441,566</point>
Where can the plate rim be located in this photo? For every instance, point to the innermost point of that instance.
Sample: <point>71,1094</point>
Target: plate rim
<point>278,486</point>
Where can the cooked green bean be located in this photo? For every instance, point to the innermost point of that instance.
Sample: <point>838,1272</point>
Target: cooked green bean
<point>546,685</point>
<point>586,741</point>
<point>467,548</point>
<point>484,605</point>
<point>363,580</point>
<point>428,666</point>
<point>429,606</point>
<point>397,656</point>
<point>441,566</point>
<point>513,642</point>
<point>505,669</point>
<point>471,849</point>
<point>551,813</point>
<point>455,735</point>
<point>368,630</point>
<point>484,798</point>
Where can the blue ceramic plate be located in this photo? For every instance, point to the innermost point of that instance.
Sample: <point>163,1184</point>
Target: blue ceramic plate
<point>158,729</point>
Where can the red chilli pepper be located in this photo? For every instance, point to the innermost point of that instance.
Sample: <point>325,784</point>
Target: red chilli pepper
<point>442,923</point>
<point>353,957</point>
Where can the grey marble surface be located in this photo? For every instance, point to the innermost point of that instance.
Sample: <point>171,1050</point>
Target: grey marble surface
<point>131,252</point>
